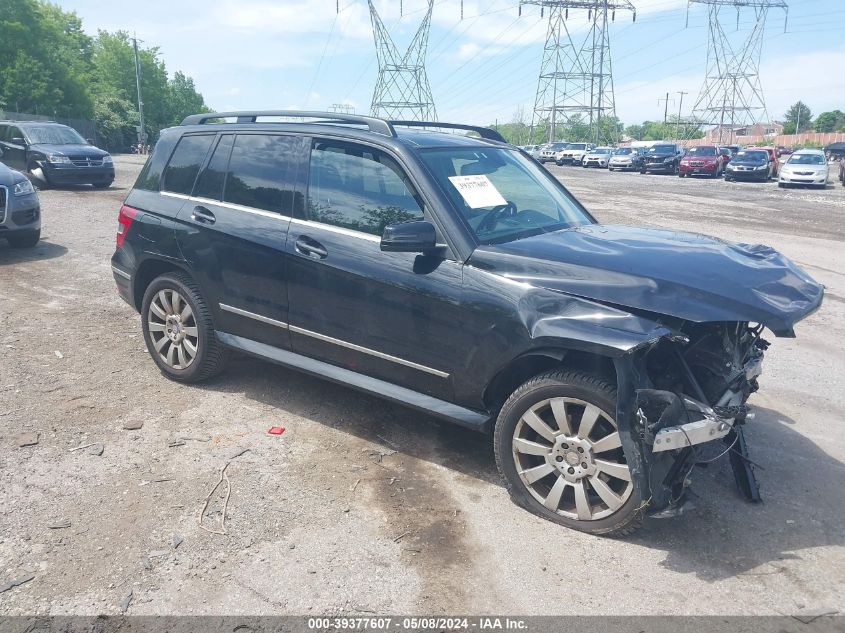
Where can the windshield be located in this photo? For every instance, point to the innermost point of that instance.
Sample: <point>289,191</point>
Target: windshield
<point>624,151</point>
<point>754,157</point>
<point>577,146</point>
<point>601,150</point>
<point>806,159</point>
<point>558,146</point>
<point>702,150</point>
<point>54,135</point>
<point>500,195</point>
<point>661,149</point>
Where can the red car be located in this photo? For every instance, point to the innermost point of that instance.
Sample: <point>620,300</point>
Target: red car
<point>702,160</point>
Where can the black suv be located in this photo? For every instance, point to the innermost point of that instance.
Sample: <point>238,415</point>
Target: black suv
<point>54,154</point>
<point>662,157</point>
<point>453,274</point>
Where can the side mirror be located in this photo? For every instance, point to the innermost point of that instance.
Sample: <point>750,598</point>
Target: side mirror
<point>90,141</point>
<point>18,141</point>
<point>409,237</point>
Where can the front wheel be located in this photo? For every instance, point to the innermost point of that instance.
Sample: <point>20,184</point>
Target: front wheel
<point>178,329</point>
<point>559,451</point>
<point>24,239</point>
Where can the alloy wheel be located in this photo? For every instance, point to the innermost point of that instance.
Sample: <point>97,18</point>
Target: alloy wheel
<point>173,329</point>
<point>568,455</point>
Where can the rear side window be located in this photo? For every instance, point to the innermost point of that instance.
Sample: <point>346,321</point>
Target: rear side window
<point>358,188</point>
<point>210,183</point>
<point>263,172</point>
<point>185,164</point>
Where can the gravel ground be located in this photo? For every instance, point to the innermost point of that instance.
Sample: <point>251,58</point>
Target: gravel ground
<point>365,507</point>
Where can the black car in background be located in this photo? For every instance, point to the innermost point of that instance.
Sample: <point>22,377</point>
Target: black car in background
<point>662,158</point>
<point>749,164</point>
<point>54,154</point>
<point>453,274</point>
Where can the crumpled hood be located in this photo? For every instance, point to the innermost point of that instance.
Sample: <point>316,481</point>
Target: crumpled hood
<point>684,275</point>
<point>88,151</point>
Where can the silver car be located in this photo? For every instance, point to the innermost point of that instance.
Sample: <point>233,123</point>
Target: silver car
<point>598,157</point>
<point>20,211</point>
<point>625,158</point>
<point>549,151</point>
<point>805,167</point>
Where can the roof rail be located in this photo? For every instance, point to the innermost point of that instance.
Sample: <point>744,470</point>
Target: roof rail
<point>484,132</point>
<point>379,126</point>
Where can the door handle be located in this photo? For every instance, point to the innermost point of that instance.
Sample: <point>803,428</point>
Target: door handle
<point>310,248</point>
<point>203,215</point>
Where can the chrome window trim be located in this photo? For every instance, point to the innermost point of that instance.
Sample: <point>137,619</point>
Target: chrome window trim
<point>4,210</point>
<point>121,273</point>
<point>367,350</point>
<point>338,229</point>
<point>253,315</point>
<point>227,205</point>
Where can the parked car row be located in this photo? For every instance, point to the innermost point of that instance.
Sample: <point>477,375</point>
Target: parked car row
<point>732,162</point>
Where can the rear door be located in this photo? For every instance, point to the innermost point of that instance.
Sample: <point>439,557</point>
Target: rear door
<point>14,151</point>
<point>393,316</point>
<point>235,226</point>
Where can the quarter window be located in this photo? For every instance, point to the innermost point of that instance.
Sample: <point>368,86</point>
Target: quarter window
<point>359,188</point>
<point>210,183</point>
<point>185,163</point>
<point>263,172</point>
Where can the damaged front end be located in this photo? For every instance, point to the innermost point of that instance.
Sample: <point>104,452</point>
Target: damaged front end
<point>682,402</point>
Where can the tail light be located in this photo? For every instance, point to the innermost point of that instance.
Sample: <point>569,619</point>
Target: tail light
<point>124,221</point>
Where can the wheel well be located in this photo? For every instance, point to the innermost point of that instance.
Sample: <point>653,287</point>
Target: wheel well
<point>147,271</point>
<point>534,363</point>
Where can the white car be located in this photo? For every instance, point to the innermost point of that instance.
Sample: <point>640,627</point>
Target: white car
<point>804,167</point>
<point>574,153</point>
<point>532,150</point>
<point>598,157</point>
<point>550,150</point>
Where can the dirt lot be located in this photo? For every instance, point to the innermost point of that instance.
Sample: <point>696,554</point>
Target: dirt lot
<point>362,506</point>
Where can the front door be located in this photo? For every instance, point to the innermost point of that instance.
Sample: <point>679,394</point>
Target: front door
<point>234,228</point>
<point>14,148</point>
<point>388,315</point>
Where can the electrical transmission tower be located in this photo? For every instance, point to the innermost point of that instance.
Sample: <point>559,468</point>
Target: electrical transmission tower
<point>732,95</point>
<point>575,88</point>
<point>402,90</point>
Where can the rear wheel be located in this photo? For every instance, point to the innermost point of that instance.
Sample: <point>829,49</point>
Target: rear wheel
<point>559,450</point>
<point>178,329</point>
<point>24,239</point>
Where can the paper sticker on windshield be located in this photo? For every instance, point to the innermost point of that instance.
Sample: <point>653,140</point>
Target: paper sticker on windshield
<point>477,191</point>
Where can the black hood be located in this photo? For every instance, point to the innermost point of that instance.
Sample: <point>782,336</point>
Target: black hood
<point>84,151</point>
<point>654,156</point>
<point>684,275</point>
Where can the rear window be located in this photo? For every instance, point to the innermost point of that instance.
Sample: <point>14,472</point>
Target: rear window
<point>185,164</point>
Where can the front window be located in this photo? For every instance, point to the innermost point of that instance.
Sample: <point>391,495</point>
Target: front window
<point>624,151</point>
<point>577,146</point>
<point>500,195</point>
<point>806,159</point>
<point>54,135</point>
<point>601,150</point>
<point>702,150</point>
<point>753,156</point>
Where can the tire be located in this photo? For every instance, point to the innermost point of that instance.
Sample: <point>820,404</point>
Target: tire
<point>575,393</point>
<point>680,175</point>
<point>209,357</point>
<point>642,171</point>
<point>102,185</point>
<point>781,185</point>
<point>24,239</point>
<point>728,178</point>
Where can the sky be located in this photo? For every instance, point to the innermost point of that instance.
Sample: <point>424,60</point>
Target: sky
<point>298,54</point>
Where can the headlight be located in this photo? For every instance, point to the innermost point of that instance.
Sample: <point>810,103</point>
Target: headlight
<point>730,167</point>
<point>107,160</point>
<point>761,167</point>
<point>58,159</point>
<point>669,160</point>
<point>23,188</point>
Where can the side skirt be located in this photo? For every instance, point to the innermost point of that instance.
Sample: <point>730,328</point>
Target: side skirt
<point>434,406</point>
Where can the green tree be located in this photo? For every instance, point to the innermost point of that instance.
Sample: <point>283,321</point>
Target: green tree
<point>830,121</point>
<point>797,119</point>
<point>183,99</point>
<point>116,119</point>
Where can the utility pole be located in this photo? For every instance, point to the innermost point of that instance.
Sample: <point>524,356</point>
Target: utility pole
<point>666,108</point>
<point>142,133</point>
<point>680,107</point>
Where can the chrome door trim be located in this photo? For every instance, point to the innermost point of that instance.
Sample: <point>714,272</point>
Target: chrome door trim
<point>367,350</point>
<point>253,315</point>
<point>122,273</point>
<point>337,229</point>
<point>227,205</point>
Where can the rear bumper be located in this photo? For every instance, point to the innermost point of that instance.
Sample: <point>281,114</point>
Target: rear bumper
<point>123,279</point>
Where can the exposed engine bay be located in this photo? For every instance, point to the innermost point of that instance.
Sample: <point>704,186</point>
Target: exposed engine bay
<point>691,406</point>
